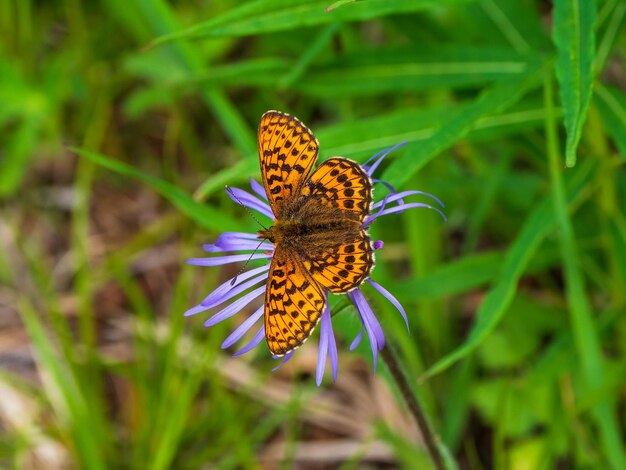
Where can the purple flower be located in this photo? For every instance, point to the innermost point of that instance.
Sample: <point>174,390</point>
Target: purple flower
<point>236,293</point>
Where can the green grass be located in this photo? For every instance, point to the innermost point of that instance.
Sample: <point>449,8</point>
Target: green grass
<point>121,123</point>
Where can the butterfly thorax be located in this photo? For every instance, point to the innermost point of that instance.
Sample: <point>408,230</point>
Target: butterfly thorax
<point>302,231</point>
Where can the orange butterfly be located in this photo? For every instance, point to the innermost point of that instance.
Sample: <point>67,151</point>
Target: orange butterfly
<point>320,243</point>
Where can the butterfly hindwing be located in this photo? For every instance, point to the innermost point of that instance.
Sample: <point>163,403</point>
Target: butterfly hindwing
<point>344,265</point>
<point>341,184</point>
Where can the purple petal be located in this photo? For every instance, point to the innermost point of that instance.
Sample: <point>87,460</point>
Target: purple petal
<point>286,358</point>
<point>373,328</point>
<point>372,168</point>
<point>235,307</point>
<point>220,260</point>
<point>392,196</point>
<point>391,189</point>
<point>400,208</point>
<point>332,352</point>
<point>357,340</point>
<point>403,194</point>
<point>243,328</point>
<point>253,343</point>
<point>227,286</point>
<point>379,245</point>
<point>380,204</point>
<point>197,309</point>
<point>327,347</point>
<point>258,189</point>
<point>252,245</point>
<point>322,350</point>
<point>411,205</point>
<point>229,238</point>
<point>234,241</point>
<point>389,296</point>
<point>248,200</point>
<point>213,300</point>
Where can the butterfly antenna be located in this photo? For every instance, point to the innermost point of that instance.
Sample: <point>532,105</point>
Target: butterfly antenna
<point>243,268</point>
<point>232,193</point>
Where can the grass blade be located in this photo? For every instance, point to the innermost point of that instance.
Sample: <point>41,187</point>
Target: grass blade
<point>204,215</point>
<point>148,18</point>
<point>583,324</point>
<point>611,103</point>
<point>574,37</point>
<point>267,16</point>
<point>19,152</point>
<point>65,393</point>
<point>606,42</point>
<point>540,222</point>
<point>466,274</point>
<point>459,123</point>
<point>356,139</point>
<point>392,69</point>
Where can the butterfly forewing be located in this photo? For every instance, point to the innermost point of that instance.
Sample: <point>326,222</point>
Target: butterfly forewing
<point>287,152</point>
<point>293,303</point>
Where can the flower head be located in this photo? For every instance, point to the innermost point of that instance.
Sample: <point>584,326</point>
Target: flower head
<point>236,293</point>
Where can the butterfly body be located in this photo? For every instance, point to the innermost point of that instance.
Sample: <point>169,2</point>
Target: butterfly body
<point>320,243</point>
<point>306,228</point>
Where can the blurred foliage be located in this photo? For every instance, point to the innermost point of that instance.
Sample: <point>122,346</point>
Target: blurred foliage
<point>515,116</point>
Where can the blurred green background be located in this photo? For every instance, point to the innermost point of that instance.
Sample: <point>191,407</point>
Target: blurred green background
<point>113,160</point>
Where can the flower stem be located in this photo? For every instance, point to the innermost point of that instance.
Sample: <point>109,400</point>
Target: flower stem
<point>431,439</point>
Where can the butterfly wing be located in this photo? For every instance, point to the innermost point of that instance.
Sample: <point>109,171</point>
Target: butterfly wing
<point>287,152</point>
<point>341,184</point>
<point>293,303</point>
<point>339,191</point>
<point>343,265</point>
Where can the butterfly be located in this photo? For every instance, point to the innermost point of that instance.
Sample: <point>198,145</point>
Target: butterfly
<point>320,243</point>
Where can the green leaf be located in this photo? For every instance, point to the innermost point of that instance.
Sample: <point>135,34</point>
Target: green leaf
<point>148,18</point>
<point>394,69</point>
<point>63,390</point>
<point>583,321</point>
<point>540,222</point>
<point>356,139</point>
<point>19,153</point>
<point>453,278</point>
<point>266,16</point>
<point>466,274</point>
<point>617,234</point>
<point>607,40</point>
<point>517,21</point>
<point>459,122</point>
<point>239,172</point>
<point>522,407</point>
<point>574,37</point>
<point>611,103</point>
<point>204,215</point>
